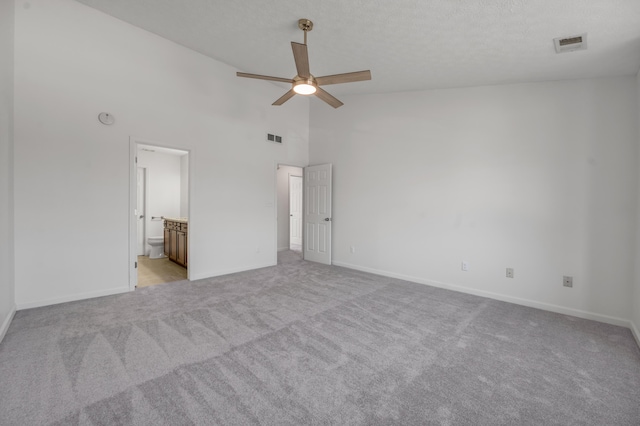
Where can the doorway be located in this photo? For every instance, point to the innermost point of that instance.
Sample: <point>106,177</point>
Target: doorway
<point>160,197</point>
<point>295,213</point>
<point>304,222</point>
<point>289,211</point>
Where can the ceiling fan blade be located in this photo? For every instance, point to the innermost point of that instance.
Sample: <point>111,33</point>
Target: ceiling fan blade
<point>348,77</point>
<point>264,77</point>
<point>328,98</point>
<point>284,98</point>
<point>301,56</point>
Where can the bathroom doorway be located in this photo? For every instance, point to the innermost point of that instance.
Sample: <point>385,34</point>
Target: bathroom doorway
<point>160,219</point>
<point>289,211</point>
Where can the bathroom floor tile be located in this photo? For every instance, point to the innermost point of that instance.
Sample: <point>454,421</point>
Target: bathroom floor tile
<point>159,271</point>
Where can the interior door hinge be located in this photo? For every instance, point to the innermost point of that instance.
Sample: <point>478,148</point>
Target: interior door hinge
<point>136,160</point>
<point>136,265</point>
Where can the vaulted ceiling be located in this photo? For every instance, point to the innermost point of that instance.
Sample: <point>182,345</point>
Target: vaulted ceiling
<point>407,44</point>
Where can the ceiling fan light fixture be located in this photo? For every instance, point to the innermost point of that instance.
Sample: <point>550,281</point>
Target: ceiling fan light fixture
<point>304,88</point>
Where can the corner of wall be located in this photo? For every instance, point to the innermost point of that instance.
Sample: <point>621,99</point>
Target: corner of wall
<point>635,290</point>
<point>635,331</point>
<point>7,72</point>
<point>7,322</point>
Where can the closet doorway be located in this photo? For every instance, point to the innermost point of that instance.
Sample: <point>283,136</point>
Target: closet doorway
<point>295,213</point>
<point>290,208</point>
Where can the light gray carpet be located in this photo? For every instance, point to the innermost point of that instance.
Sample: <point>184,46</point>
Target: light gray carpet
<point>302,343</point>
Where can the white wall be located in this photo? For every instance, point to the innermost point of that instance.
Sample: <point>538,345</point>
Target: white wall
<point>184,186</point>
<point>71,172</point>
<point>163,189</point>
<point>539,177</point>
<point>282,177</point>
<point>7,298</point>
<point>635,317</point>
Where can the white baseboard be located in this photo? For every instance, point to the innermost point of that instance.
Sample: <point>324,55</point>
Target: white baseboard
<point>7,322</point>
<point>635,332</point>
<point>72,298</point>
<point>230,271</point>
<point>496,296</point>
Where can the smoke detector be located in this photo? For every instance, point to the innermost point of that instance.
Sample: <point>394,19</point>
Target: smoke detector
<point>570,44</point>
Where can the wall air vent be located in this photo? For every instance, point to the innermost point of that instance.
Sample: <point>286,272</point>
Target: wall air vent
<point>570,44</point>
<point>274,138</point>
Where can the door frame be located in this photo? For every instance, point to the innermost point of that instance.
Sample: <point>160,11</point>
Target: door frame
<point>145,174</point>
<point>133,201</point>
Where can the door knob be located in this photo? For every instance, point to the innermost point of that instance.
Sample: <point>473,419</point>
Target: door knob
<point>326,219</point>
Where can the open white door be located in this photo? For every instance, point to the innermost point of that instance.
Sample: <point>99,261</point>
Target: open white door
<point>317,213</point>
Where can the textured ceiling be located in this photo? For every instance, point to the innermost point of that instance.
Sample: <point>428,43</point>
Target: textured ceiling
<point>407,44</point>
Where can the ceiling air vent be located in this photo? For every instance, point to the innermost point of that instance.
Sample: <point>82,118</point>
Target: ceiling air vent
<point>569,44</point>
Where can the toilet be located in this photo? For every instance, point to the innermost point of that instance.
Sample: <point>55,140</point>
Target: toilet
<point>157,247</point>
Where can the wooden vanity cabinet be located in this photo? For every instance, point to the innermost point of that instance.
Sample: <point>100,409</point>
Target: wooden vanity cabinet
<point>167,241</point>
<point>175,241</point>
<point>181,248</point>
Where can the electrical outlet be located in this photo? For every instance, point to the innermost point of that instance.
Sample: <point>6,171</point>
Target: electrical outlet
<point>567,281</point>
<point>465,265</point>
<point>509,272</point>
<point>353,249</point>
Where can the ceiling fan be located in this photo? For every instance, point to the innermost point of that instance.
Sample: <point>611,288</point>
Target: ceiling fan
<point>305,83</point>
